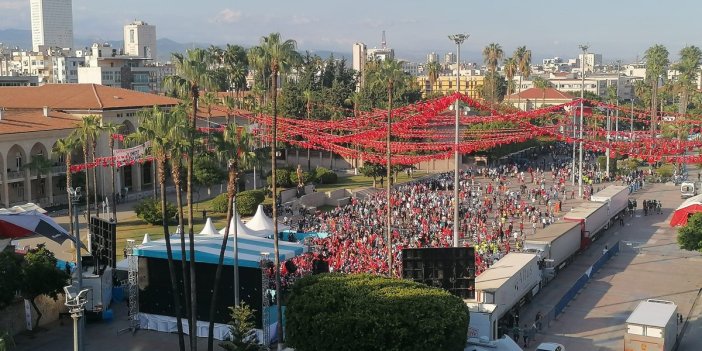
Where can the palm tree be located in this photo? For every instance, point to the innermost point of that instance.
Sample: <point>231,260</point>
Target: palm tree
<point>208,100</point>
<point>157,126</point>
<point>511,68</point>
<point>389,74</point>
<point>40,165</point>
<point>688,67</point>
<point>96,135</point>
<point>541,83</point>
<point>192,74</point>
<point>235,146</point>
<point>492,54</point>
<point>236,63</point>
<point>111,129</point>
<point>65,147</point>
<point>523,58</point>
<point>279,56</point>
<point>86,132</point>
<point>308,94</point>
<point>656,65</point>
<point>433,71</point>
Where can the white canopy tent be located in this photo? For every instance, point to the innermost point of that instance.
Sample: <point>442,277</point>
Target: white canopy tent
<point>209,228</point>
<point>242,230</point>
<point>262,225</point>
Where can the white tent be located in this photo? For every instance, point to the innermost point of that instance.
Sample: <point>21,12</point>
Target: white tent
<point>147,239</point>
<point>262,224</point>
<point>241,229</point>
<point>209,228</point>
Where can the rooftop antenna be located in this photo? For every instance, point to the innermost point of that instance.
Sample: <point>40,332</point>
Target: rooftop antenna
<point>383,42</point>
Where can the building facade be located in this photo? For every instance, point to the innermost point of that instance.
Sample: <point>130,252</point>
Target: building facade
<point>446,84</point>
<point>107,66</point>
<point>52,24</point>
<point>140,40</point>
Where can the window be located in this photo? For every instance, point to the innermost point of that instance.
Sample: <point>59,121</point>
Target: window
<point>18,161</point>
<point>131,36</point>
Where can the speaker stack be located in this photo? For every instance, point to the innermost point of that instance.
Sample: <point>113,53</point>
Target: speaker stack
<point>452,268</point>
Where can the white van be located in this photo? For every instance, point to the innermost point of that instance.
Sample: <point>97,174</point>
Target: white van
<point>687,189</point>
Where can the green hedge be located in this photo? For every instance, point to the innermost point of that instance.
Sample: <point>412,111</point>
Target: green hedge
<point>150,211</point>
<point>307,177</point>
<point>282,178</point>
<point>325,176</point>
<point>365,312</point>
<point>246,202</point>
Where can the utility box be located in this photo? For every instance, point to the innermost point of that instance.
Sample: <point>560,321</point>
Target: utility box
<point>653,326</point>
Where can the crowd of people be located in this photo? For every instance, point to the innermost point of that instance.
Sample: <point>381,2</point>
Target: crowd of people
<point>498,207</point>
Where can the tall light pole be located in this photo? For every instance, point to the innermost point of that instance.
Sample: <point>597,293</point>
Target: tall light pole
<point>79,332</point>
<point>582,97</point>
<point>458,39</point>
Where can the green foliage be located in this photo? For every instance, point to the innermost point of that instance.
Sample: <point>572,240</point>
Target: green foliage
<point>219,203</point>
<point>248,201</point>
<point>150,211</point>
<point>307,177</point>
<point>365,312</point>
<point>207,171</point>
<point>630,164</point>
<point>602,162</point>
<point>40,276</point>
<point>373,170</point>
<point>665,171</point>
<point>282,178</point>
<point>241,327</point>
<point>690,236</point>
<point>325,176</point>
<point>494,87</point>
<point>10,269</point>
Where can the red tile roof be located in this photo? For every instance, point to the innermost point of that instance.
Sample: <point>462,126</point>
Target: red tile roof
<point>79,97</point>
<point>27,121</point>
<point>538,93</point>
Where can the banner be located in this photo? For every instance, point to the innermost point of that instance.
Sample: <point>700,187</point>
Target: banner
<point>130,155</point>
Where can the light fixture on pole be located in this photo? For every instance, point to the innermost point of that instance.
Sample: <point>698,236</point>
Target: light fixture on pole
<point>458,39</point>
<point>74,197</point>
<point>582,97</point>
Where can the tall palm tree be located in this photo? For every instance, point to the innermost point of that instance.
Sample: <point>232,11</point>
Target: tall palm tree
<point>208,100</point>
<point>230,105</point>
<point>234,146</point>
<point>65,147</point>
<point>86,132</point>
<point>93,150</point>
<point>236,63</point>
<point>389,74</point>
<point>40,165</point>
<point>688,68</point>
<point>433,71</point>
<point>279,56</point>
<point>156,127</point>
<point>492,54</point>
<point>511,68</point>
<point>542,83</point>
<point>523,58</point>
<point>308,94</point>
<point>192,74</point>
<point>656,64</point>
<point>111,129</point>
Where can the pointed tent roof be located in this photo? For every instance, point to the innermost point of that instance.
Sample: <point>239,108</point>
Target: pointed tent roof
<point>209,228</point>
<point>262,223</point>
<point>241,228</point>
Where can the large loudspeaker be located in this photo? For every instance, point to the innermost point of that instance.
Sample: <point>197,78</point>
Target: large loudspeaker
<point>452,268</point>
<point>103,242</point>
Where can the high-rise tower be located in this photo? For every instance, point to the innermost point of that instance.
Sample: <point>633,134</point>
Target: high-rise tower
<point>140,40</point>
<point>52,24</point>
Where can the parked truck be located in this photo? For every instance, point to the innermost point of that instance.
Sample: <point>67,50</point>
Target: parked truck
<point>616,196</point>
<point>652,326</point>
<point>505,285</point>
<point>556,244</point>
<point>594,218</point>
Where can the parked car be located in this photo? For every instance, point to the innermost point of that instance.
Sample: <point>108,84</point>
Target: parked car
<point>550,346</point>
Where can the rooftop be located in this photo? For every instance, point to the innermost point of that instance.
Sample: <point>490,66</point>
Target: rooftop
<point>553,231</point>
<point>543,94</point>
<point>502,270</point>
<point>655,313</point>
<point>27,121</point>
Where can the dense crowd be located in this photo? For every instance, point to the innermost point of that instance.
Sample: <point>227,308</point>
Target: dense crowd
<point>498,206</point>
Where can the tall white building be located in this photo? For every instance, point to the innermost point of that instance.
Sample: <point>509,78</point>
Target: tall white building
<point>359,61</point>
<point>450,58</point>
<point>432,57</point>
<point>140,40</point>
<point>591,61</point>
<point>52,24</point>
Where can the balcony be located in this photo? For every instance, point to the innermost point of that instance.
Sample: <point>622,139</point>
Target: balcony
<point>60,169</point>
<point>15,174</point>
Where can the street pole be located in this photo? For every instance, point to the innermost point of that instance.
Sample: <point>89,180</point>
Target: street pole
<point>572,173</point>
<point>582,97</point>
<point>631,136</point>
<point>74,197</point>
<point>609,127</point>
<point>458,39</point>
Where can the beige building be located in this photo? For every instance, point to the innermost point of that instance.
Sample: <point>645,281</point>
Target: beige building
<point>534,98</point>
<point>470,85</point>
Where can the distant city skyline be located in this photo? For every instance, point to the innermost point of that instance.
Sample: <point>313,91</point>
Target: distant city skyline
<point>618,29</point>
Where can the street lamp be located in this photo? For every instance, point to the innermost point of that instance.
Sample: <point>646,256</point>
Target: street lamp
<point>582,97</point>
<point>74,197</point>
<point>458,39</point>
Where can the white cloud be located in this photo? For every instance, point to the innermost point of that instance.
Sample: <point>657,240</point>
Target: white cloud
<point>227,16</point>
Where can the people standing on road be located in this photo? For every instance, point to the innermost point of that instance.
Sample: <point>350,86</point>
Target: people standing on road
<point>516,332</point>
<point>537,320</point>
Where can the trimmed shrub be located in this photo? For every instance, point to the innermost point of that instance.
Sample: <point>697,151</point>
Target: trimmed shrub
<point>307,177</point>
<point>150,211</point>
<point>365,312</point>
<point>325,176</point>
<point>219,203</point>
<point>666,170</point>
<point>602,163</point>
<point>282,178</point>
<point>248,201</point>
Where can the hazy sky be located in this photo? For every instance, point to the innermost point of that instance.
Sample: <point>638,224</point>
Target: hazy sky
<point>619,29</point>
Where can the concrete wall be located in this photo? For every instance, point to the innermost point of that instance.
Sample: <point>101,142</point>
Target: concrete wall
<point>12,318</point>
<point>339,197</point>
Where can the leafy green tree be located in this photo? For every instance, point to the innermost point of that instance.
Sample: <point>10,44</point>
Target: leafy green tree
<point>689,69</point>
<point>242,327</point>
<point>40,276</point>
<point>87,132</point>
<point>373,170</point>
<point>656,65</point>
<point>10,269</point>
<point>494,87</point>
<point>208,171</point>
<point>690,235</point>
<point>433,72</point>
<point>511,67</point>
<point>41,166</point>
<point>492,54</point>
<point>65,147</point>
<point>542,83</point>
<point>523,58</point>
<point>351,308</point>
